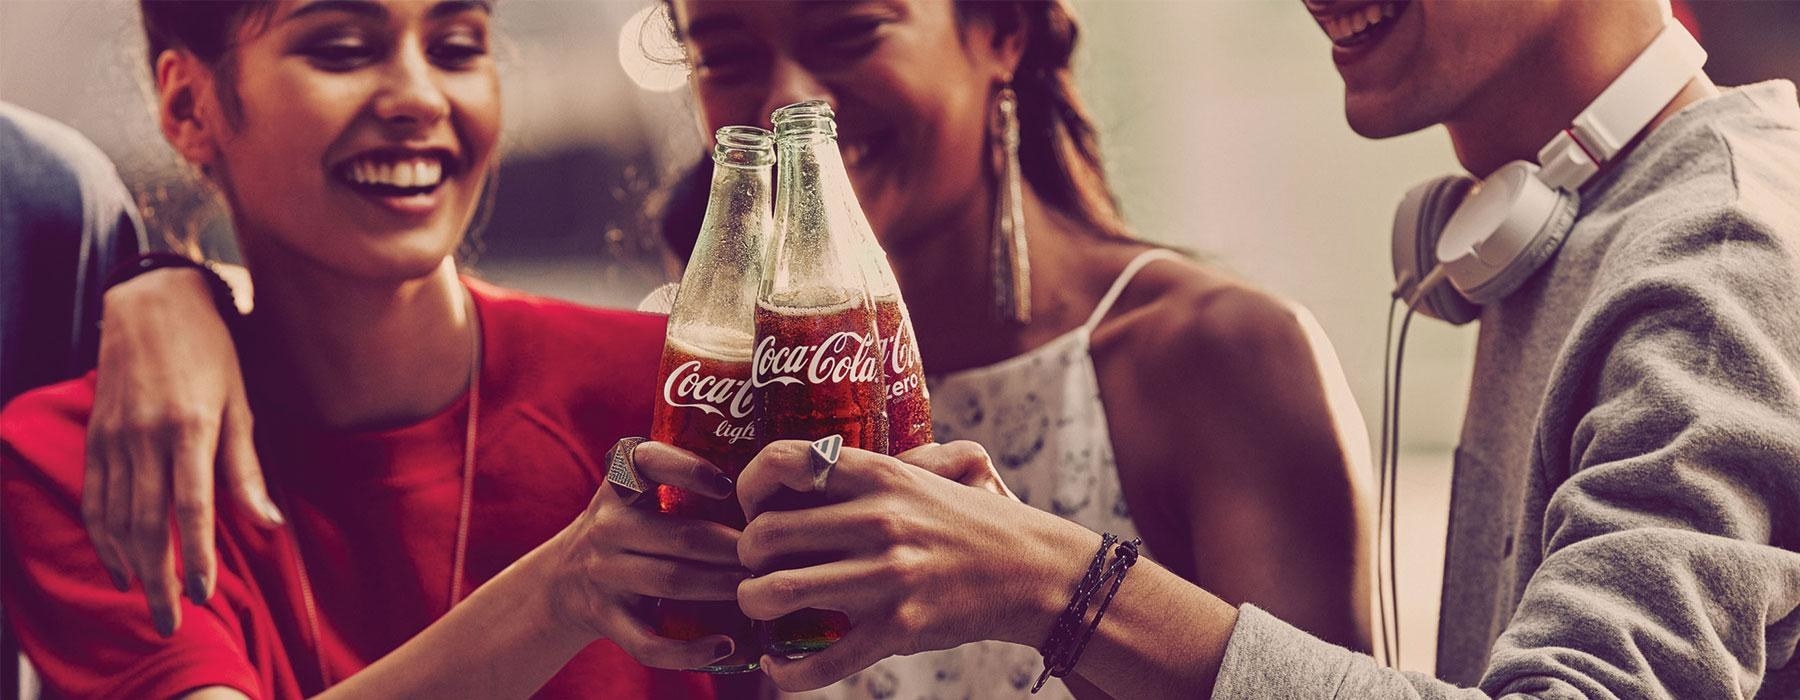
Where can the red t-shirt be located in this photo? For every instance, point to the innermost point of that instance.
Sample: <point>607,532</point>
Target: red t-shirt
<point>374,514</point>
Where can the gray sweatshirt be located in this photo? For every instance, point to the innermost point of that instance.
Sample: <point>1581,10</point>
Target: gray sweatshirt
<point>1625,510</point>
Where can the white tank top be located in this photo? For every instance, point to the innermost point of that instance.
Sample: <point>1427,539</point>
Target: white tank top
<point>1040,417</point>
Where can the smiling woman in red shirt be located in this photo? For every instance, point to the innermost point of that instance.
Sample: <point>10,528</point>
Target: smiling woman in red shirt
<point>435,445</point>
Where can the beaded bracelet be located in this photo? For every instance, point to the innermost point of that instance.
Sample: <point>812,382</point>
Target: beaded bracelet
<point>223,297</point>
<point>1063,648</point>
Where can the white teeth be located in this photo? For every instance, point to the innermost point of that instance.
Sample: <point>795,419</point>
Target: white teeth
<point>1352,24</point>
<point>412,172</point>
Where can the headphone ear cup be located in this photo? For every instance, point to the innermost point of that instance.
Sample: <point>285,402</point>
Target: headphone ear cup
<point>1546,243</point>
<point>1418,223</point>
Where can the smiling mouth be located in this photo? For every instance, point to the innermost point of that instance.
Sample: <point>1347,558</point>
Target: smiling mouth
<point>395,175</point>
<point>1362,25</point>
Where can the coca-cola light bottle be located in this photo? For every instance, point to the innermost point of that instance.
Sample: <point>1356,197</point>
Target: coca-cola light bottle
<point>818,363</point>
<point>707,404</point>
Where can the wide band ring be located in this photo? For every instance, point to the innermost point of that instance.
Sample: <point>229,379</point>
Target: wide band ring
<point>622,473</point>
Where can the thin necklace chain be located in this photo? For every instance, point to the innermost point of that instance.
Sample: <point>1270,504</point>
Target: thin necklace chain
<point>460,553</point>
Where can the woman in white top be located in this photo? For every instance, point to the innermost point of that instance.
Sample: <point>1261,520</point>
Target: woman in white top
<point>1143,393</point>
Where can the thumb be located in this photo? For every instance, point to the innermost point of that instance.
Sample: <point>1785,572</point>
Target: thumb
<point>243,471</point>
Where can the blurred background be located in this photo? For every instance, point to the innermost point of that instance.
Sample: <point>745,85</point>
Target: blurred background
<point>1221,122</point>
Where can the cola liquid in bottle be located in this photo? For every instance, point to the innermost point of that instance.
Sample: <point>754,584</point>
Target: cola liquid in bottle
<point>818,365</point>
<point>908,402</point>
<point>706,402</point>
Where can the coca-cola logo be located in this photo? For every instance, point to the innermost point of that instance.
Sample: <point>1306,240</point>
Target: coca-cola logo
<point>844,356</point>
<point>898,351</point>
<point>733,433</point>
<point>688,387</point>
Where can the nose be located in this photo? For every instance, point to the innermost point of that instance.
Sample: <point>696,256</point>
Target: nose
<point>410,94</point>
<point>790,82</point>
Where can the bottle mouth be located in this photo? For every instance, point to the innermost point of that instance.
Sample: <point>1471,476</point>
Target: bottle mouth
<point>743,145</point>
<point>805,118</point>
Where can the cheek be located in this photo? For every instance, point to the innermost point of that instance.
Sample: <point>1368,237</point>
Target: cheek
<point>475,103</point>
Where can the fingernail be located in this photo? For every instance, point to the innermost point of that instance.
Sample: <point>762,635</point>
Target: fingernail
<point>196,588</point>
<point>118,580</point>
<point>165,623</point>
<point>721,483</point>
<point>723,649</point>
<point>272,514</point>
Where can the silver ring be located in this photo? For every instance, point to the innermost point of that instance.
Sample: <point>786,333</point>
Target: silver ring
<point>622,473</point>
<point>825,452</point>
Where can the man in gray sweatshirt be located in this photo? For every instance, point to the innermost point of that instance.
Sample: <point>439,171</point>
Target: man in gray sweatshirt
<point>1626,501</point>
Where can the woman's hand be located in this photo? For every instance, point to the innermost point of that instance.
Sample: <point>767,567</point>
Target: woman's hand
<point>169,410</point>
<point>917,562</point>
<point>618,556</point>
<point>963,462</point>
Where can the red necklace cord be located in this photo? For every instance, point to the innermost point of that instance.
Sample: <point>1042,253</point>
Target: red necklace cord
<point>459,554</point>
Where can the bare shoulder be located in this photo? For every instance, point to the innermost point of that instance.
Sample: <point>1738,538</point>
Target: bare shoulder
<point>1228,370</point>
<point>1194,320</point>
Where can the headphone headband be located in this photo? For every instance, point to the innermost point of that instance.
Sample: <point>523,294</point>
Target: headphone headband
<point>1623,109</point>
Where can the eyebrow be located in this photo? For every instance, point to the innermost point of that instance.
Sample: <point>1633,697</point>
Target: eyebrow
<point>712,24</point>
<point>455,7</point>
<point>365,8</point>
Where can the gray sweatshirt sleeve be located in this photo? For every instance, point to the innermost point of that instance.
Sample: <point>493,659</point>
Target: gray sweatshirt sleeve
<point>1667,473</point>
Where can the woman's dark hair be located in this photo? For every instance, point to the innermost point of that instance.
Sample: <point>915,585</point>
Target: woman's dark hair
<point>206,28</point>
<point>1059,148</point>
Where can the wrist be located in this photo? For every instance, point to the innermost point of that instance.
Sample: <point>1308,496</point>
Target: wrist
<point>1064,550</point>
<point>156,278</point>
<point>559,600</point>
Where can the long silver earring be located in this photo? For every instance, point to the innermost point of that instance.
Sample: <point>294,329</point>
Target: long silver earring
<point>1011,263</point>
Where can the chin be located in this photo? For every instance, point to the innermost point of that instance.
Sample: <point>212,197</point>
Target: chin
<point>397,264</point>
<point>1373,117</point>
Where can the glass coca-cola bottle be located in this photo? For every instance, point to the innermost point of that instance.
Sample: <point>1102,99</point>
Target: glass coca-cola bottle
<point>706,402</point>
<point>908,401</point>
<point>818,365</point>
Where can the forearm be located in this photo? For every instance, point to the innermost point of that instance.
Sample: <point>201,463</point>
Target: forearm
<point>1161,637</point>
<point>504,640</point>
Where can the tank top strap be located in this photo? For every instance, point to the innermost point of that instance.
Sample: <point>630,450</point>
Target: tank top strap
<point>1118,286</point>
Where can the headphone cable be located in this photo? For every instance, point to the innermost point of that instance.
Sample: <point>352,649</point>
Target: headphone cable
<point>1381,507</point>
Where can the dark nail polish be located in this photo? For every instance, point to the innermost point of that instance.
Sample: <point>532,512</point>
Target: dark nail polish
<point>165,623</point>
<point>196,589</point>
<point>723,484</point>
<point>118,580</point>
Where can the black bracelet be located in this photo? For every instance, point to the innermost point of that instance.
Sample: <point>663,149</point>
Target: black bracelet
<point>1063,648</point>
<point>1124,557</point>
<point>1070,620</point>
<point>224,299</point>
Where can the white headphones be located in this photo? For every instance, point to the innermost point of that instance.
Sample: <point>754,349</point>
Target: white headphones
<point>1488,237</point>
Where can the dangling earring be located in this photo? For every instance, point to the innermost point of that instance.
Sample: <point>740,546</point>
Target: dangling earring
<point>1011,264</point>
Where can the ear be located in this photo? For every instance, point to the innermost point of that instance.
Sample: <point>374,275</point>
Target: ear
<point>1009,47</point>
<point>998,39</point>
<point>186,108</point>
